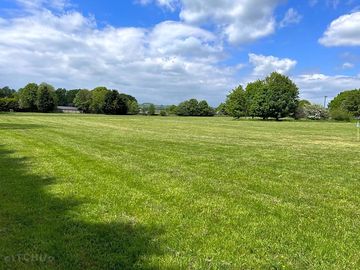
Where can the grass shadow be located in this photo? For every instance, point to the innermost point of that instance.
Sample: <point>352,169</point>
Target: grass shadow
<point>40,231</point>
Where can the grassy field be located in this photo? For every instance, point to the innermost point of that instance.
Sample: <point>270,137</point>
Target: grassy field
<point>108,192</point>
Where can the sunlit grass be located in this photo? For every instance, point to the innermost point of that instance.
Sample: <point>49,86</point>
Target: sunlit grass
<point>108,192</point>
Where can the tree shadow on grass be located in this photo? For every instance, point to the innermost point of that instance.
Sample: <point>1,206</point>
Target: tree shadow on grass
<point>39,231</point>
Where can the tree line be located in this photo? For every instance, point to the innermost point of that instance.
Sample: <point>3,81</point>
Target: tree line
<point>276,96</point>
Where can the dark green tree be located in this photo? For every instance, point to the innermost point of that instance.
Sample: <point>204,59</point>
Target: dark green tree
<point>82,100</point>
<point>278,98</point>
<point>236,105</point>
<point>46,98</point>
<point>98,99</point>
<point>115,103</point>
<point>61,97</point>
<point>348,102</point>
<point>28,97</point>
<point>7,92</point>
<point>70,96</point>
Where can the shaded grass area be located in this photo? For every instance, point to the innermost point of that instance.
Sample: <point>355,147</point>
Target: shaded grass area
<point>104,192</point>
<point>39,231</point>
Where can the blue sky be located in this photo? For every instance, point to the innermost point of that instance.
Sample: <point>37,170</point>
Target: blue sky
<point>166,51</point>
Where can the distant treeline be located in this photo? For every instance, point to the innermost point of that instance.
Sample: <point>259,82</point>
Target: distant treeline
<point>277,96</point>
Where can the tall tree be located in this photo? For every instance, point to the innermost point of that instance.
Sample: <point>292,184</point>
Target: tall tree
<point>98,99</point>
<point>277,98</point>
<point>115,103</point>
<point>61,97</point>
<point>82,100</point>
<point>6,92</point>
<point>236,105</point>
<point>28,97</point>
<point>347,101</point>
<point>46,98</point>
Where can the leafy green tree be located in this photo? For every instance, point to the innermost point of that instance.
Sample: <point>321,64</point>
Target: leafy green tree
<point>98,99</point>
<point>8,104</point>
<point>6,92</point>
<point>204,109</point>
<point>253,90</point>
<point>133,107</point>
<point>277,98</point>
<point>221,109</point>
<point>347,101</point>
<point>171,109</point>
<point>28,97</point>
<point>193,107</point>
<point>82,100</point>
<point>236,105</point>
<point>70,96</point>
<point>61,97</point>
<point>46,98</point>
<point>115,103</point>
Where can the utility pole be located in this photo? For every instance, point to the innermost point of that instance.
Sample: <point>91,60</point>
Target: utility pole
<point>325,99</point>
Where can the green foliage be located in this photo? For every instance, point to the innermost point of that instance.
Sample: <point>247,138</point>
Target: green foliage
<point>82,100</point>
<point>61,97</point>
<point>316,112</point>
<point>236,104</point>
<point>6,92</point>
<point>275,97</point>
<point>46,98</point>
<point>8,104</point>
<point>221,109</point>
<point>172,109</point>
<point>98,99</point>
<point>151,109</point>
<point>133,107</point>
<point>281,96</point>
<point>347,101</point>
<point>340,115</point>
<point>194,108</point>
<point>70,96</point>
<point>115,103</point>
<point>28,97</point>
<point>163,113</point>
<point>253,93</point>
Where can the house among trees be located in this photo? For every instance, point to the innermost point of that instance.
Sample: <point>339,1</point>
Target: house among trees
<point>67,109</point>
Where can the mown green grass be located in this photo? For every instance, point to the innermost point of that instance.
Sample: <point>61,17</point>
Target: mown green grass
<point>108,192</point>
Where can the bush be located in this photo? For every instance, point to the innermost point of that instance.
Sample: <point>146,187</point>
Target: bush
<point>163,113</point>
<point>8,104</point>
<point>316,112</point>
<point>340,115</point>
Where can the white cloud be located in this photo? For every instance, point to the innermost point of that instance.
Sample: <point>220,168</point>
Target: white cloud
<point>348,65</point>
<point>315,86</point>
<point>241,21</point>
<point>264,65</point>
<point>168,63</point>
<point>292,16</point>
<point>344,31</point>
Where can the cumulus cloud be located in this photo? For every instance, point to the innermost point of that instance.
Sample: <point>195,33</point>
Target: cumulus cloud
<point>167,63</point>
<point>292,16</point>
<point>315,86</point>
<point>241,21</point>
<point>264,65</point>
<point>344,31</point>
